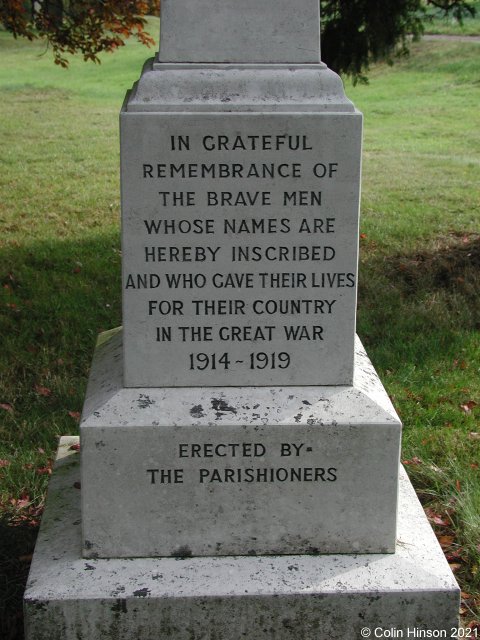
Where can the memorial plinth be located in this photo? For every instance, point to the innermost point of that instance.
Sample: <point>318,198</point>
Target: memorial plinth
<point>236,471</point>
<point>319,597</point>
<point>235,437</point>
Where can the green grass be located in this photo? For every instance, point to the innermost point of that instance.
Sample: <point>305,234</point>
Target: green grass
<point>419,303</point>
<point>437,23</point>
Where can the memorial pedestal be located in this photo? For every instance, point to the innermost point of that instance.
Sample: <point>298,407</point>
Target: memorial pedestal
<point>320,597</point>
<point>212,471</point>
<point>235,438</point>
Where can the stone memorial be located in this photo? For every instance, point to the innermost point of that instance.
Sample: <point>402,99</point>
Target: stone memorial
<point>239,455</point>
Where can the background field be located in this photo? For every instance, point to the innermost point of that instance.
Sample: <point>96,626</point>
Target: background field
<point>419,303</point>
<point>438,24</point>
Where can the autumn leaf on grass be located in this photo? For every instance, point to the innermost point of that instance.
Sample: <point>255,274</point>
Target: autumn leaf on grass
<point>6,406</point>
<point>4,463</point>
<point>414,460</point>
<point>43,391</point>
<point>436,518</point>
<point>26,558</point>
<point>474,435</point>
<point>44,471</point>
<point>455,556</point>
<point>467,407</point>
<point>74,414</point>
<point>20,503</point>
<point>446,541</point>
<point>75,447</point>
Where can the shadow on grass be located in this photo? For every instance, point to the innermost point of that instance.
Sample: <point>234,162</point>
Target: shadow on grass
<point>59,295</point>
<point>417,308</point>
<point>55,297</point>
<point>16,547</point>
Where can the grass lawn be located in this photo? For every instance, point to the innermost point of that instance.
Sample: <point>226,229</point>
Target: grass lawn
<point>419,303</point>
<point>437,23</point>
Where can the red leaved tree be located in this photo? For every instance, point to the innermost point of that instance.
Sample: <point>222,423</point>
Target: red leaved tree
<point>77,26</point>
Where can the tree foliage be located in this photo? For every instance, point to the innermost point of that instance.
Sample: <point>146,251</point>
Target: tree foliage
<point>77,26</point>
<point>355,33</point>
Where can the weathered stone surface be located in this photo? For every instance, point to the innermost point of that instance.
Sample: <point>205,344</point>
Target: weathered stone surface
<point>232,278</point>
<point>284,597</point>
<point>226,471</point>
<point>227,88</point>
<point>261,31</point>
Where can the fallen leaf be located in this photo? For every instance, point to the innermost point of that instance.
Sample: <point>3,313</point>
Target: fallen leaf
<point>465,596</point>
<point>26,558</point>
<point>75,447</point>
<point>363,236</point>
<point>446,541</point>
<point>40,450</point>
<point>42,471</point>
<point>474,435</point>
<point>43,391</point>
<point>6,406</point>
<point>74,414</point>
<point>454,556</point>
<point>4,463</point>
<point>457,485</point>
<point>455,566</point>
<point>414,460</point>
<point>468,406</point>
<point>435,518</point>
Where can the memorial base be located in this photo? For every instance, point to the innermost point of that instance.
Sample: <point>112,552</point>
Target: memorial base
<point>283,597</point>
<point>227,471</point>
